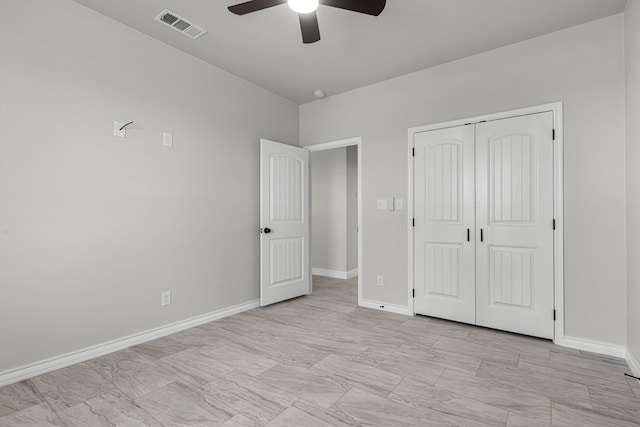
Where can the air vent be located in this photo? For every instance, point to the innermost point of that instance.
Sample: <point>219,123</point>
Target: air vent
<point>180,24</point>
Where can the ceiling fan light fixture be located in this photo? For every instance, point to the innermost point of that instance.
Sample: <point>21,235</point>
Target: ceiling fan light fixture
<point>303,6</point>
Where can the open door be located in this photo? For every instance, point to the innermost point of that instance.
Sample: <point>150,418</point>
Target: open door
<point>284,222</point>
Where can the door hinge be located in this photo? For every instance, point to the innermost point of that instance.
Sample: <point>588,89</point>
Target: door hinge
<point>414,293</point>
<point>554,224</point>
<point>554,315</point>
<point>553,134</point>
<point>413,222</point>
<point>413,152</point>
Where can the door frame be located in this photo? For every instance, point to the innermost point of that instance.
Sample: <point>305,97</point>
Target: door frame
<point>348,142</point>
<point>558,200</point>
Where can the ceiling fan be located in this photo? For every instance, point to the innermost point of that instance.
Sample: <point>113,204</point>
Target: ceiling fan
<point>306,10</point>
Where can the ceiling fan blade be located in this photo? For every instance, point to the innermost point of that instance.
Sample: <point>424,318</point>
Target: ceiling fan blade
<point>254,6</point>
<point>369,7</point>
<point>309,27</point>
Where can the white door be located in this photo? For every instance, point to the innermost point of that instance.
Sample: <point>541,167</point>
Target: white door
<point>444,224</point>
<point>284,222</point>
<point>514,217</point>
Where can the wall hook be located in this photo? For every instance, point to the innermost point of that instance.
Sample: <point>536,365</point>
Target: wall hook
<point>119,129</point>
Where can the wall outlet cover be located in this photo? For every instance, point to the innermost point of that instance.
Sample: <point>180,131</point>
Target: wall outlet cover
<point>167,139</point>
<point>165,298</point>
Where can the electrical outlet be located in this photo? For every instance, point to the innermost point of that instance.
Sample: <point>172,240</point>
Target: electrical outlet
<point>165,298</point>
<point>380,281</point>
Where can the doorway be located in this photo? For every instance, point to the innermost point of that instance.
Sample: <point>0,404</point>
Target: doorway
<point>336,219</point>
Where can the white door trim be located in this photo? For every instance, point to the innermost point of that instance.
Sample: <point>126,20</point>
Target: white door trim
<point>357,141</point>
<point>558,178</point>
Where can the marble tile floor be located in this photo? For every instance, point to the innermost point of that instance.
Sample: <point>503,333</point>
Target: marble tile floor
<point>320,360</point>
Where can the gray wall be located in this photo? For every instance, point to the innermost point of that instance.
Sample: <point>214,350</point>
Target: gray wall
<point>329,209</point>
<point>352,207</point>
<point>582,66</point>
<point>93,228</point>
<point>632,45</point>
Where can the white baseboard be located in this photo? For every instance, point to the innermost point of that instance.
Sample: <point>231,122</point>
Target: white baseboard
<point>633,364</point>
<point>599,347</point>
<point>335,274</point>
<point>392,308</point>
<point>62,361</point>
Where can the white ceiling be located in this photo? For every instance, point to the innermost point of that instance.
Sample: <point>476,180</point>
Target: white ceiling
<point>356,50</point>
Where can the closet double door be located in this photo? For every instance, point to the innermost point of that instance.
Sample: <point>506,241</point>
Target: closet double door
<point>484,224</point>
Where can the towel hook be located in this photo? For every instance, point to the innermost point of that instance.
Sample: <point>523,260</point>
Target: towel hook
<point>125,125</point>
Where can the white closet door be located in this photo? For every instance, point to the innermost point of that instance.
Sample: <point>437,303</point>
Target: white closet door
<point>444,211</point>
<point>514,214</point>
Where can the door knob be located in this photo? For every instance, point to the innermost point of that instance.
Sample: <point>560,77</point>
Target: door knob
<point>267,230</point>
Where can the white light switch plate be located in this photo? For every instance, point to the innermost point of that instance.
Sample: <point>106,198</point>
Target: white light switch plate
<point>399,204</point>
<point>382,204</point>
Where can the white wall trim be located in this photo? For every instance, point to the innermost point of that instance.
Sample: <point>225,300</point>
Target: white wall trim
<point>556,108</point>
<point>558,206</point>
<point>357,141</point>
<point>410,219</point>
<point>391,308</point>
<point>633,363</point>
<point>336,274</point>
<point>598,347</point>
<point>62,361</point>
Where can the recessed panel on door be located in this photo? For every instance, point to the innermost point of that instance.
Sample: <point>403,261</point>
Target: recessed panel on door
<point>444,211</point>
<point>442,269</point>
<point>512,277</point>
<point>286,196</point>
<point>513,178</point>
<point>286,261</point>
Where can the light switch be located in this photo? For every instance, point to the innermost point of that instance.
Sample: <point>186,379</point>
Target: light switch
<point>391,204</point>
<point>167,139</point>
<point>399,204</point>
<point>382,204</point>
